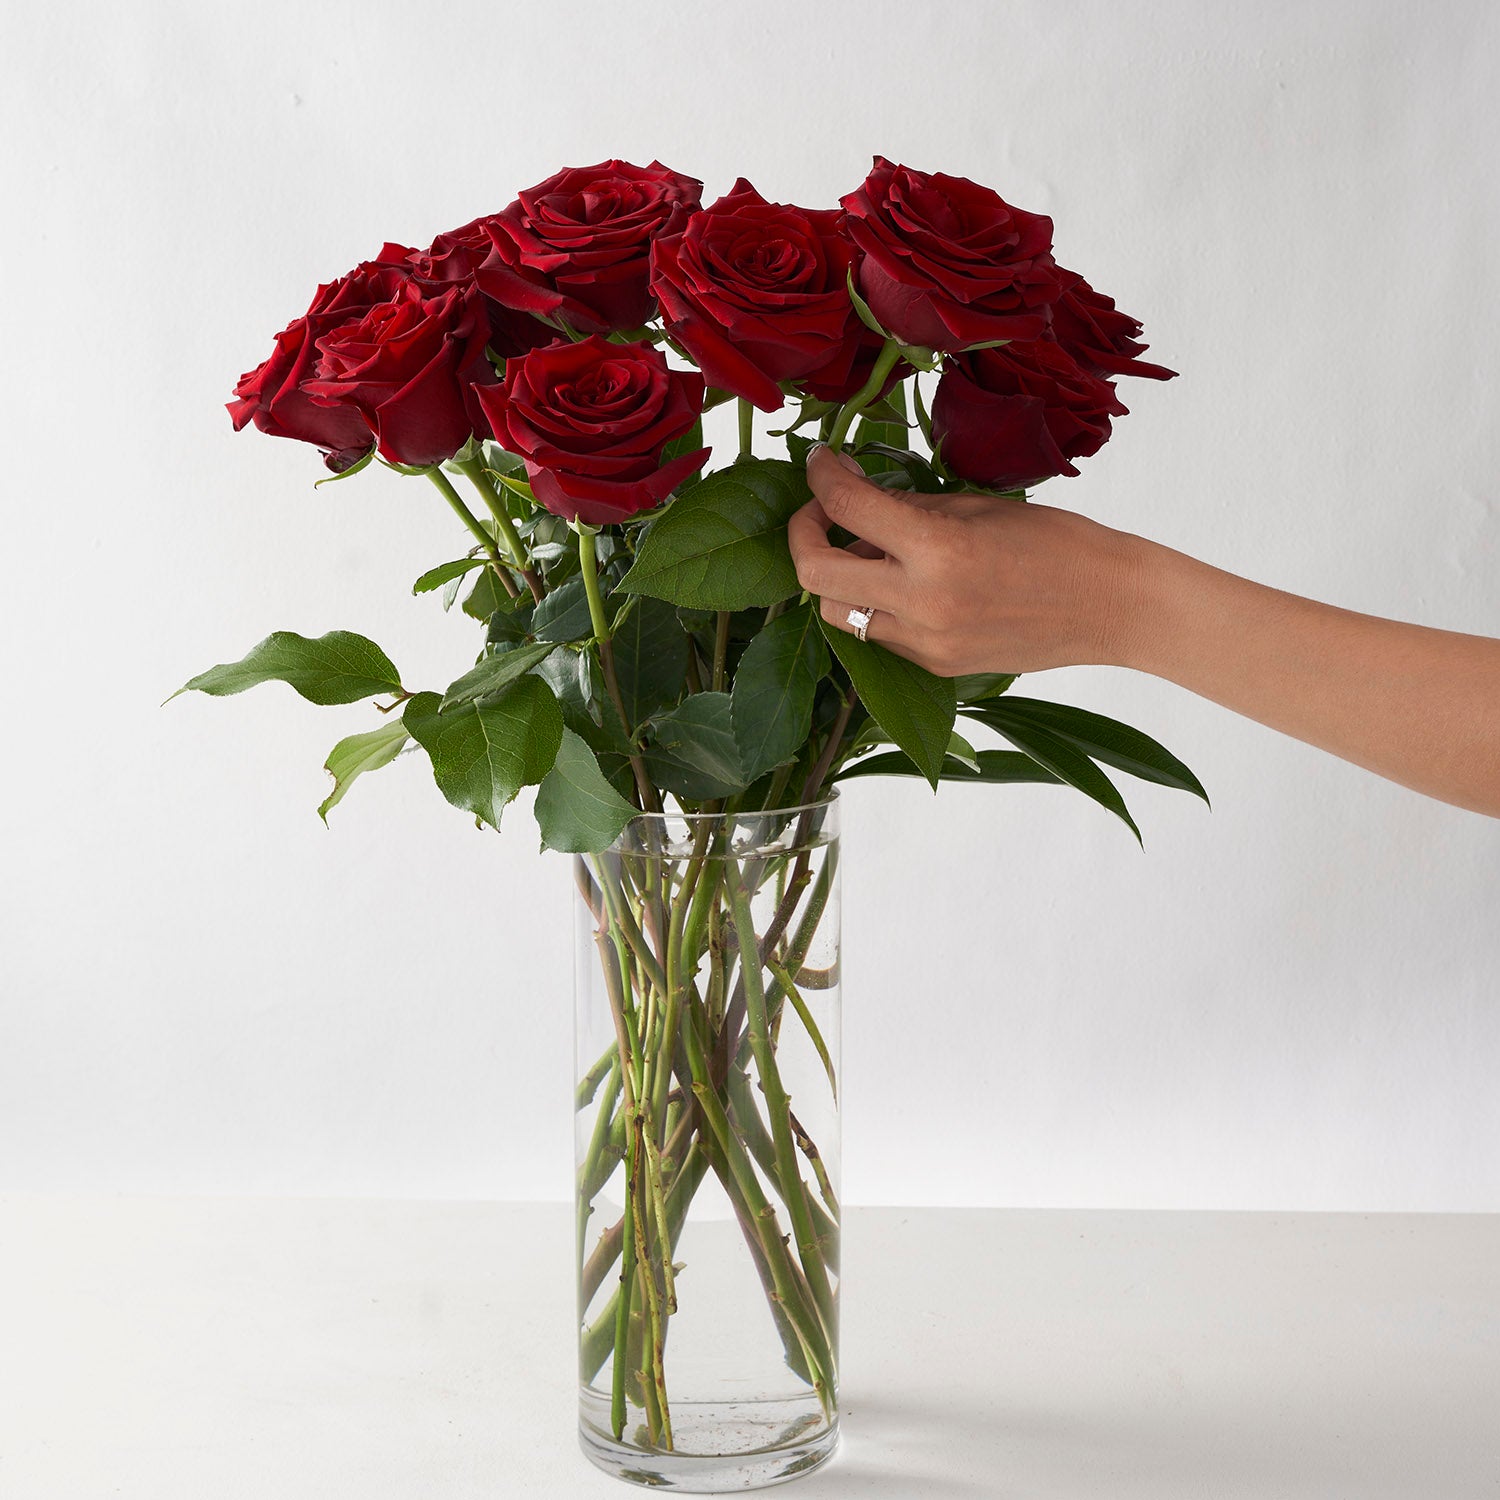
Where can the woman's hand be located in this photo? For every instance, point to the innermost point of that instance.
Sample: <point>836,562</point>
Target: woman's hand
<point>973,583</point>
<point>964,583</point>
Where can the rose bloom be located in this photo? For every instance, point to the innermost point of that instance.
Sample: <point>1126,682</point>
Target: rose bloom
<point>948,263</point>
<point>1009,417</point>
<point>576,248</point>
<point>757,293</point>
<point>591,421</point>
<point>274,396</point>
<point>409,367</point>
<point>1098,335</point>
<point>454,257</point>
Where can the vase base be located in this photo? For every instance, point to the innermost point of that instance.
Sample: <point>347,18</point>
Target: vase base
<point>766,1451</point>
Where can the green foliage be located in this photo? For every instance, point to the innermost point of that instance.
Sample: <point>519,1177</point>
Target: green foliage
<point>563,614</point>
<point>339,667</point>
<point>915,708</point>
<point>1103,739</point>
<point>975,687</point>
<point>774,684</point>
<point>484,753</point>
<point>693,752</point>
<point>722,544</point>
<point>577,810</point>
<point>651,656</point>
<point>485,597</point>
<point>883,424</point>
<point>358,753</point>
<point>495,673</point>
<point>435,578</point>
<point>995,766</point>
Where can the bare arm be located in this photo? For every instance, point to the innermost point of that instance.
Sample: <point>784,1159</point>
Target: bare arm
<point>1416,705</point>
<point>972,584</point>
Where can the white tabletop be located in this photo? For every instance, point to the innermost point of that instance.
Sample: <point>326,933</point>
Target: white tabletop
<point>214,1349</point>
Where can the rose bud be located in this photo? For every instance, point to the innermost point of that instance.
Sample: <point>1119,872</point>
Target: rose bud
<point>757,293</point>
<point>1009,417</point>
<point>948,263</point>
<point>409,368</point>
<point>576,248</point>
<point>274,396</point>
<point>591,421</point>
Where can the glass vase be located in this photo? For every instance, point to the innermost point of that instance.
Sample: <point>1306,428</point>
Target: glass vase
<point>707,1131</point>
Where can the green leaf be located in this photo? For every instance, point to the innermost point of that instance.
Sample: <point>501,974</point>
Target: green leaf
<point>359,463</point>
<point>977,686</point>
<point>435,578</point>
<point>339,667</point>
<point>485,597</point>
<point>1104,739</point>
<point>496,672</point>
<point>774,684</point>
<point>577,809</point>
<point>563,614</point>
<point>889,431</point>
<point>358,753</point>
<point>1064,760</point>
<point>510,623</point>
<point>861,307</point>
<point>694,753</point>
<point>651,655</point>
<point>915,708</point>
<point>484,753</point>
<point>722,545</point>
<point>995,766</point>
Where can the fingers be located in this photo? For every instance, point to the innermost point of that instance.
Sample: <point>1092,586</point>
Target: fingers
<point>851,501</point>
<point>823,568</point>
<point>884,627</point>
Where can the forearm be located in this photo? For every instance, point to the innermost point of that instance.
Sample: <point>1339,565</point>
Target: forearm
<point>1419,706</point>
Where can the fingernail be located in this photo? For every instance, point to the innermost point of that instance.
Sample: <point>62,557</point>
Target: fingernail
<point>851,463</point>
<point>816,449</point>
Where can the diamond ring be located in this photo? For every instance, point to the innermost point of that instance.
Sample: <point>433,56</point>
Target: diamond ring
<point>860,619</point>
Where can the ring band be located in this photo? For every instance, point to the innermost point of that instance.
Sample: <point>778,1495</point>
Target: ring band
<point>860,620</point>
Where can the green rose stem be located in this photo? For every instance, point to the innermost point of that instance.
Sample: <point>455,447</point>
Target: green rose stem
<point>470,520</point>
<point>721,651</point>
<point>588,559</point>
<point>747,429</point>
<point>885,362</point>
<point>480,479</point>
<point>777,1103</point>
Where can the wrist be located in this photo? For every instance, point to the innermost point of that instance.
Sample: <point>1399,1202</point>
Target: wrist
<point>1136,625</point>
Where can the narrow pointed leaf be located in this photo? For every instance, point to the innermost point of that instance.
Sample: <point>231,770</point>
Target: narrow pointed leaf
<point>1066,761</point>
<point>915,708</point>
<point>358,753</point>
<point>1105,739</point>
<point>995,766</point>
<point>339,667</point>
<point>577,810</point>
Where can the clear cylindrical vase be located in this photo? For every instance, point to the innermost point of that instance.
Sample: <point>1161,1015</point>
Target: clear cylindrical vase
<point>707,1129</point>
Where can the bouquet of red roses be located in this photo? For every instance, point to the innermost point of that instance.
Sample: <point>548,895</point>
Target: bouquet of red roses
<point>648,650</point>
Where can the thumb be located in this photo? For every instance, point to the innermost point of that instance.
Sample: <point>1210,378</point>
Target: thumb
<point>816,455</point>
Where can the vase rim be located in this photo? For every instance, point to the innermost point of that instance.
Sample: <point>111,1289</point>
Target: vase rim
<point>828,800</point>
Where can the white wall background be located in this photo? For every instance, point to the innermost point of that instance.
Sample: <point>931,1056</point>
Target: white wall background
<point>1291,1002</point>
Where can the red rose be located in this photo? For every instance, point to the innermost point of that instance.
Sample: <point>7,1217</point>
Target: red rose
<point>576,248</point>
<point>455,257</point>
<point>1012,416</point>
<point>591,420</point>
<point>948,263</point>
<point>274,394</point>
<point>408,367</point>
<point>1098,335</point>
<point>757,293</point>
